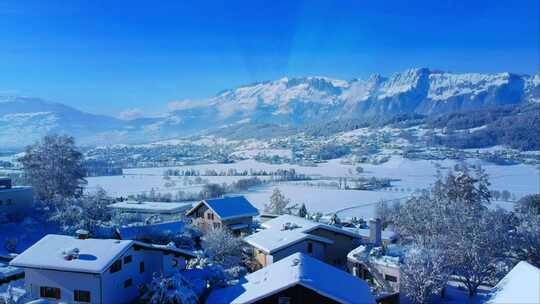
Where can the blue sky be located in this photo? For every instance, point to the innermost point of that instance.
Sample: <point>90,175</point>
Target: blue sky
<point>108,56</point>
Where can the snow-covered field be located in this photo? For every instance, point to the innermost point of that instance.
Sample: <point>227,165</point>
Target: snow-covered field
<point>413,174</point>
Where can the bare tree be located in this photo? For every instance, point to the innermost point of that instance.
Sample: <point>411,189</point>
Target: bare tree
<point>424,273</point>
<point>54,168</point>
<point>222,247</point>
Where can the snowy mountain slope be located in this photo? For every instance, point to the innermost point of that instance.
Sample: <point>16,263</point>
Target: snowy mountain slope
<point>312,99</point>
<point>287,101</point>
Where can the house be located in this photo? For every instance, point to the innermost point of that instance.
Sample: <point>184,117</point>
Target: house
<point>298,278</point>
<point>167,211</point>
<point>14,201</point>
<point>288,234</point>
<point>379,266</point>
<point>69,269</point>
<point>520,285</point>
<point>235,213</point>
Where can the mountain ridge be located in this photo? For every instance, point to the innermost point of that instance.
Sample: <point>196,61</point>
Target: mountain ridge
<point>292,101</point>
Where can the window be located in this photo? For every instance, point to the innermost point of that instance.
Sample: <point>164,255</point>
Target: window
<point>217,225</point>
<point>210,216</point>
<point>128,283</point>
<point>390,278</point>
<point>81,296</point>
<point>284,300</point>
<point>141,267</point>
<point>310,247</point>
<point>49,292</point>
<point>9,202</point>
<point>128,259</point>
<point>174,262</point>
<point>116,266</point>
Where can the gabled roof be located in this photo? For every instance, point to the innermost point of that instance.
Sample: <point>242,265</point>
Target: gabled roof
<point>228,207</point>
<point>520,285</point>
<point>296,269</point>
<point>276,236</point>
<point>94,255</point>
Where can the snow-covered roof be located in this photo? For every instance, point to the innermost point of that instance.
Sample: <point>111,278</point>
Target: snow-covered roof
<point>391,256</point>
<point>520,285</point>
<point>95,255</point>
<point>270,240</point>
<point>151,207</point>
<point>386,235</point>
<point>138,232</point>
<point>296,269</point>
<point>229,207</point>
<point>7,271</point>
<point>92,255</point>
<point>168,248</point>
<point>286,230</point>
<point>16,189</point>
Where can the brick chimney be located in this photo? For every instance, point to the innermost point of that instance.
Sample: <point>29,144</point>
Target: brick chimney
<point>375,231</point>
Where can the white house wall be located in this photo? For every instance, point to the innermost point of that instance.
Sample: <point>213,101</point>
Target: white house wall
<point>111,289</point>
<point>66,281</point>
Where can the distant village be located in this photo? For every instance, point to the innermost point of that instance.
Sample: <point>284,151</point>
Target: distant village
<point>220,249</point>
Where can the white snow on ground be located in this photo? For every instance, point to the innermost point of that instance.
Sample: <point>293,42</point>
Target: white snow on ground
<point>413,174</point>
<point>345,202</point>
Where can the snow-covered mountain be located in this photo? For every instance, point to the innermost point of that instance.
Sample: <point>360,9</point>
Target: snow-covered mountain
<point>301,100</point>
<point>289,101</point>
<point>23,120</point>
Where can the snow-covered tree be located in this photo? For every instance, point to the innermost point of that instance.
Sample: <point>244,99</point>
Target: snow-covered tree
<point>213,275</point>
<point>172,290</point>
<point>86,212</point>
<point>212,191</point>
<point>526,240</point>
<point>54,168</point>
<point>302,212</point>
<point>278,203</point>
<point>454,214</point>
<point>223,247</point>
<point>424,273</point>
<point>529,204</point>
<point>334,220</point>
<point>477,248</point>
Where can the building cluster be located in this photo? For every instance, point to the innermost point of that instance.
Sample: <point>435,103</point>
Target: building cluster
<point>296,260</point>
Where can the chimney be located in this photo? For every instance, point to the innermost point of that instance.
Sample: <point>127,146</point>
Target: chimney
<point>375,230</point>
<point>82,234</point>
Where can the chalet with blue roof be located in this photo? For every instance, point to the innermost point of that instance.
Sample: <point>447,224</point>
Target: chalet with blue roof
<point>234,213</point>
